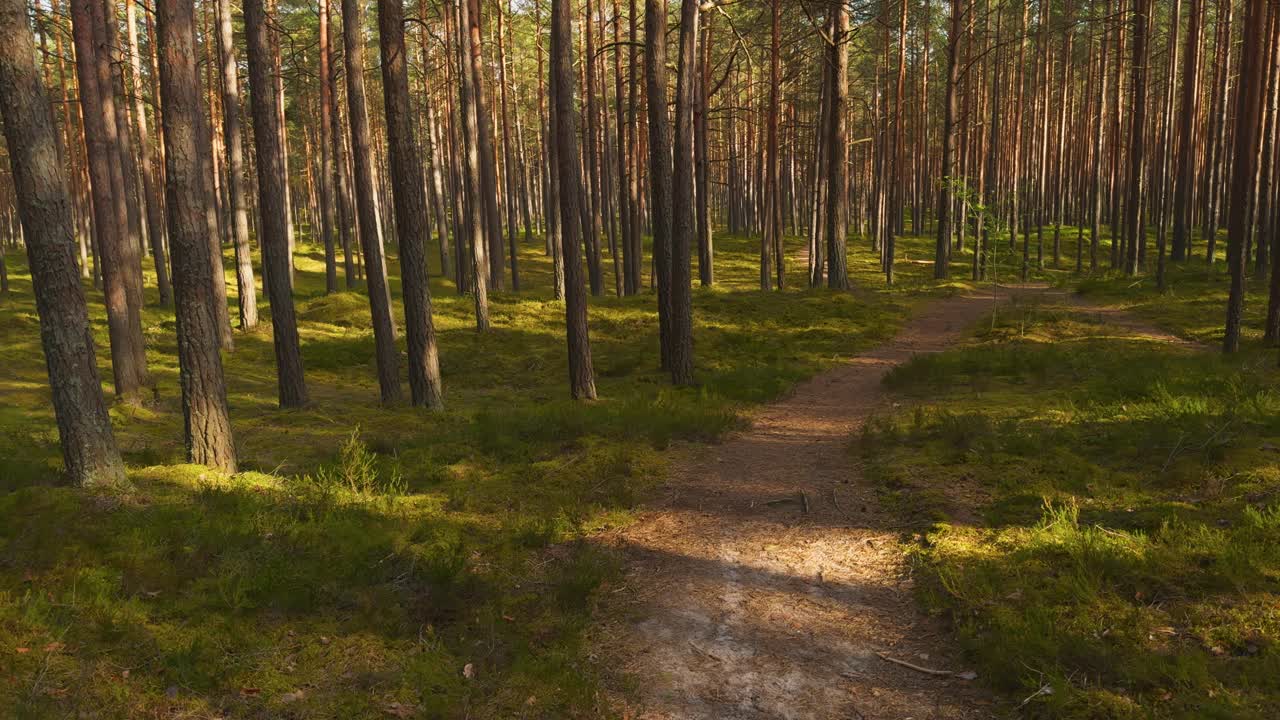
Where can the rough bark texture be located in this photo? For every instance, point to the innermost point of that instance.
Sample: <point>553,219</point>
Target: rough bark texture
<point>273,225</point>
<point>89,450</point>
<point>1245,157</point>
<point>124,319</point>
<point>837,142</point>
<point>684,221</point>
<point>247,297</point>
<point>412,224</point>
<point>327,169</point>
<point>384,340</point>
<point>484,143</point>
<point>582,383</point>
<point>471,175</point>
<point>655,39</point>
<point>204,394</point>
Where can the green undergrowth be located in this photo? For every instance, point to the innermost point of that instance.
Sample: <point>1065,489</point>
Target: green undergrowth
<point>1193,303</point>
<point>375,561</point>
<point>1097,512</point>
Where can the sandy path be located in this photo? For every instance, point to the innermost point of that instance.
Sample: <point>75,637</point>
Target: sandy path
<point>767,581</point>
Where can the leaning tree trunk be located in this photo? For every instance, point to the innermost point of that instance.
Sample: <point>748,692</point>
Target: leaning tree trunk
<point>204,393</point>
<point>581,376</point>
<point>384,340</point>
<point>89,450</point>
<point>411,210</point>
<point>273,222</point>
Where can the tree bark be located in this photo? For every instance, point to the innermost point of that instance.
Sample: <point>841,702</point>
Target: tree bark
<point>273,223</point>
<point>837,148</point>
<point>1244,161</point>
<point>581,376</point>
<point>204,396</point>
<point>89,451</point>
<point>655,38</point>
<point>384,342</point>
<point>471,172</point>
<point>246,290</point>
<point>118,261</point>
<point>411,210</point>
<point>682,235</point>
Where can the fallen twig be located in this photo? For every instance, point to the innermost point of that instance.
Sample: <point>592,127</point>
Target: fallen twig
<point>963,675</point>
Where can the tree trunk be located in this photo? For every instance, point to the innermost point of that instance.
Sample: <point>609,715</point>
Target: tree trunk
<point>684,222</point>
<point>204,395</point>
<point>411,210</point>
<point>119,261</point>
<point>327,169</point>
<point>89,451</point>
<point>471,172</point>
<point>151,189</point>
<point>273,223</point>
<point>1248,122</point>
<point>581,376</point>
<point>247,293</point>
<point>655,38</point>
<point>366,210</point>
<point>837,149</point>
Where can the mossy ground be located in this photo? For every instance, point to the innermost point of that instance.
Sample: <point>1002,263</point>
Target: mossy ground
<point>1097,511</point>
<point>366,555</point>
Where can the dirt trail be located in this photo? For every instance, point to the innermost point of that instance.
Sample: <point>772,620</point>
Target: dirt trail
<point>767,582</point>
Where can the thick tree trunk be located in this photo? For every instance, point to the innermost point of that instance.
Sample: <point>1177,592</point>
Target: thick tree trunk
<point>204,395</point>
<point>581,376</point>
<point>684,221</point>
<point>949,109</point>
<point>1248,123</point>
<point>411,210</point>
<point>655,38</point>
<point>89,450</point>
<point>273,223</point>
<point>119,260</point>
<point>1135,233</point>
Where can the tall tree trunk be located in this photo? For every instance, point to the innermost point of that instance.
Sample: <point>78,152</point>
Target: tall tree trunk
<point>488,189</point>
<point>471,171</point>
<point>411,210</point>
<point>247,293</point>
<point>837,149</point>
<point>684,223</point>
<point>1184,173</point>
<point>273,223</point>
<point>1248,123</point>
<point>384,342</point>
<point>1134,232</point>
<point>151,189</point>
<point>119,260</point>
<point>655,38</point>
<point>949,109</point>
<point>204,394</point>
<point>89,451</point>
<point>581,376</point>
<point>327,169</point>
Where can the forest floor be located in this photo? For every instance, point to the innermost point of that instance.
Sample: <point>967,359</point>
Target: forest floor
<point>1069,505</point>
<point>769,583</point>
<point>373,560</point>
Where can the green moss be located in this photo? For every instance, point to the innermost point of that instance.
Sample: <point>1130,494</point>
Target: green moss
<point>367,554</point>
<point>1111,525</point>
